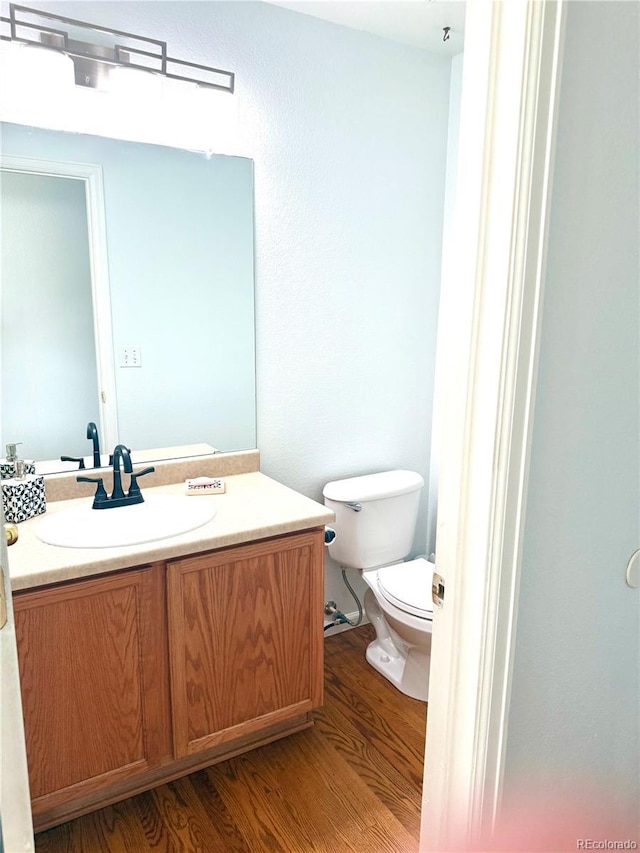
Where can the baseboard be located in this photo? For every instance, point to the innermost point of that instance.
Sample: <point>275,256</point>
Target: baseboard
<point>344,626</point>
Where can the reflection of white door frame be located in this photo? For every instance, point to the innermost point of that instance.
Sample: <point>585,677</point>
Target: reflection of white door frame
<point>490,309</point>
<point>91,174</point>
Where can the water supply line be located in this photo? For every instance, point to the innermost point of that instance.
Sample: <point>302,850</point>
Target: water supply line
<point>338,617</point>
<point>331,608</point>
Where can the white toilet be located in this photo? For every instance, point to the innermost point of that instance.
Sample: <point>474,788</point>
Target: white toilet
<point>375,523</point>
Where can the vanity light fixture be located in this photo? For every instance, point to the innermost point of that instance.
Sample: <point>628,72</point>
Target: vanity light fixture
<point>97,52</point>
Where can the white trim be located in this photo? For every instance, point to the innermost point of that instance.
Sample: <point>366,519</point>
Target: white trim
<point>102,307</point>
<point>510,77</point>
<point>91,174</point>
<point>530,237</point>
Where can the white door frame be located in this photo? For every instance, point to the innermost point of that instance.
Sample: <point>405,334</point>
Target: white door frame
<point>91,176</point>
<point>490,311</point>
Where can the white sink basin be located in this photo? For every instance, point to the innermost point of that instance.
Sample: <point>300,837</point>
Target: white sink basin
<point>159,517</point>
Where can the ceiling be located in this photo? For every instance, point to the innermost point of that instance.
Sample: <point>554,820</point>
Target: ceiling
<point>416,22</point>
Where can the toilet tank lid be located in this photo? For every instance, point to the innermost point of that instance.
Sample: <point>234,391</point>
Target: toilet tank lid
<point>372,487</point>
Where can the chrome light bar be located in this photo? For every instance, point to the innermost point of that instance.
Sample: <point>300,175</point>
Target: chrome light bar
<point>95,49</point>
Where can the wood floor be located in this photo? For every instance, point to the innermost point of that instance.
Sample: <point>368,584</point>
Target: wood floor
<point>351,783</point>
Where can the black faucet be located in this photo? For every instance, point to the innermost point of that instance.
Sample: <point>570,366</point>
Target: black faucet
<point>120,453</point>
<point>121,457</point>
<point>92,433</point>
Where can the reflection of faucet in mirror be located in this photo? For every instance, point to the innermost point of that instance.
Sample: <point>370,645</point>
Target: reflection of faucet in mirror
<point>77,459</point>
<point>92,433</point>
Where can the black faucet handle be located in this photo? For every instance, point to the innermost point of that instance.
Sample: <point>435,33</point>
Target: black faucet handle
<point>74,459</point>
<point>100,498</point>
<point>134,488</point>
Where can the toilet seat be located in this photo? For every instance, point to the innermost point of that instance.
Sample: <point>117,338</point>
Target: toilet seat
<point>408,586</point>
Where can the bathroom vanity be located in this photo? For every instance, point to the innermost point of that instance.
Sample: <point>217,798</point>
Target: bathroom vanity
<point>140,664</point>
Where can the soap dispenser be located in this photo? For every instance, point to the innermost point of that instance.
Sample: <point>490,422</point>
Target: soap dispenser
<point>8,464</point>
<point>23,495</point>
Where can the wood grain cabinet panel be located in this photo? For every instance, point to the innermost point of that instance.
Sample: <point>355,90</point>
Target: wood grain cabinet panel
<point>245,639</point>
<point>138,677</point>
<point>92,682</point>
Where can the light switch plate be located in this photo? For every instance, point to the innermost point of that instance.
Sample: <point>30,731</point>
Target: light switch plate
<point>130,356</point>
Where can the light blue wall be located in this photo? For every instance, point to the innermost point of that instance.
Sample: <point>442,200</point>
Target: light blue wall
<point>348,132</point>
<point>574,722</point>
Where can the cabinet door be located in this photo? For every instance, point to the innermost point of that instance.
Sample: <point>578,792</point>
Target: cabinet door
<point>91,657</point>
<point>245,639</point>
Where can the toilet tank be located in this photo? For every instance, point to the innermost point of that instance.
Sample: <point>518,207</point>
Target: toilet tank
<point>376,517</point>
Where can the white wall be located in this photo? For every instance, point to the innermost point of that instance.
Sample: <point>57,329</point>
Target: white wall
<point>348,133</point>
<point>573,739</point>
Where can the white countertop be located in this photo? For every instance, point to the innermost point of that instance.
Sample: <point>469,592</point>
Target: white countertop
<point>253,507</point>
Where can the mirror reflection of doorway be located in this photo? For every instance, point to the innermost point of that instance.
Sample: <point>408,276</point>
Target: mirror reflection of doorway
<point>49,369</point>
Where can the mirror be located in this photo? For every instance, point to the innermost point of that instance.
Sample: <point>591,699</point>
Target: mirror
<point>127,296</point>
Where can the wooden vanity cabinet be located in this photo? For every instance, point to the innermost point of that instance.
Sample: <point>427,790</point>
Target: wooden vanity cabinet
<point>245,639</point>
<point>93,683</point>
<point>137,677</point>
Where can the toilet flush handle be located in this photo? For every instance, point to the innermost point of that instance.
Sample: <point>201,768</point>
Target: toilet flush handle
<point>354,507</point>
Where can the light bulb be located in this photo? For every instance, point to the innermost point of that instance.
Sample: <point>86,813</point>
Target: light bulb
<point>44,69</point>
<point>133,83</point>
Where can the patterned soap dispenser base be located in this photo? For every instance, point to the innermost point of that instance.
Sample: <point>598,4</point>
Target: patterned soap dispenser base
<point>23,495</point>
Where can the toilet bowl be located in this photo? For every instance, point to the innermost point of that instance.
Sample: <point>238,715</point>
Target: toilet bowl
<point>398,604</point>
<point>375,522</point>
